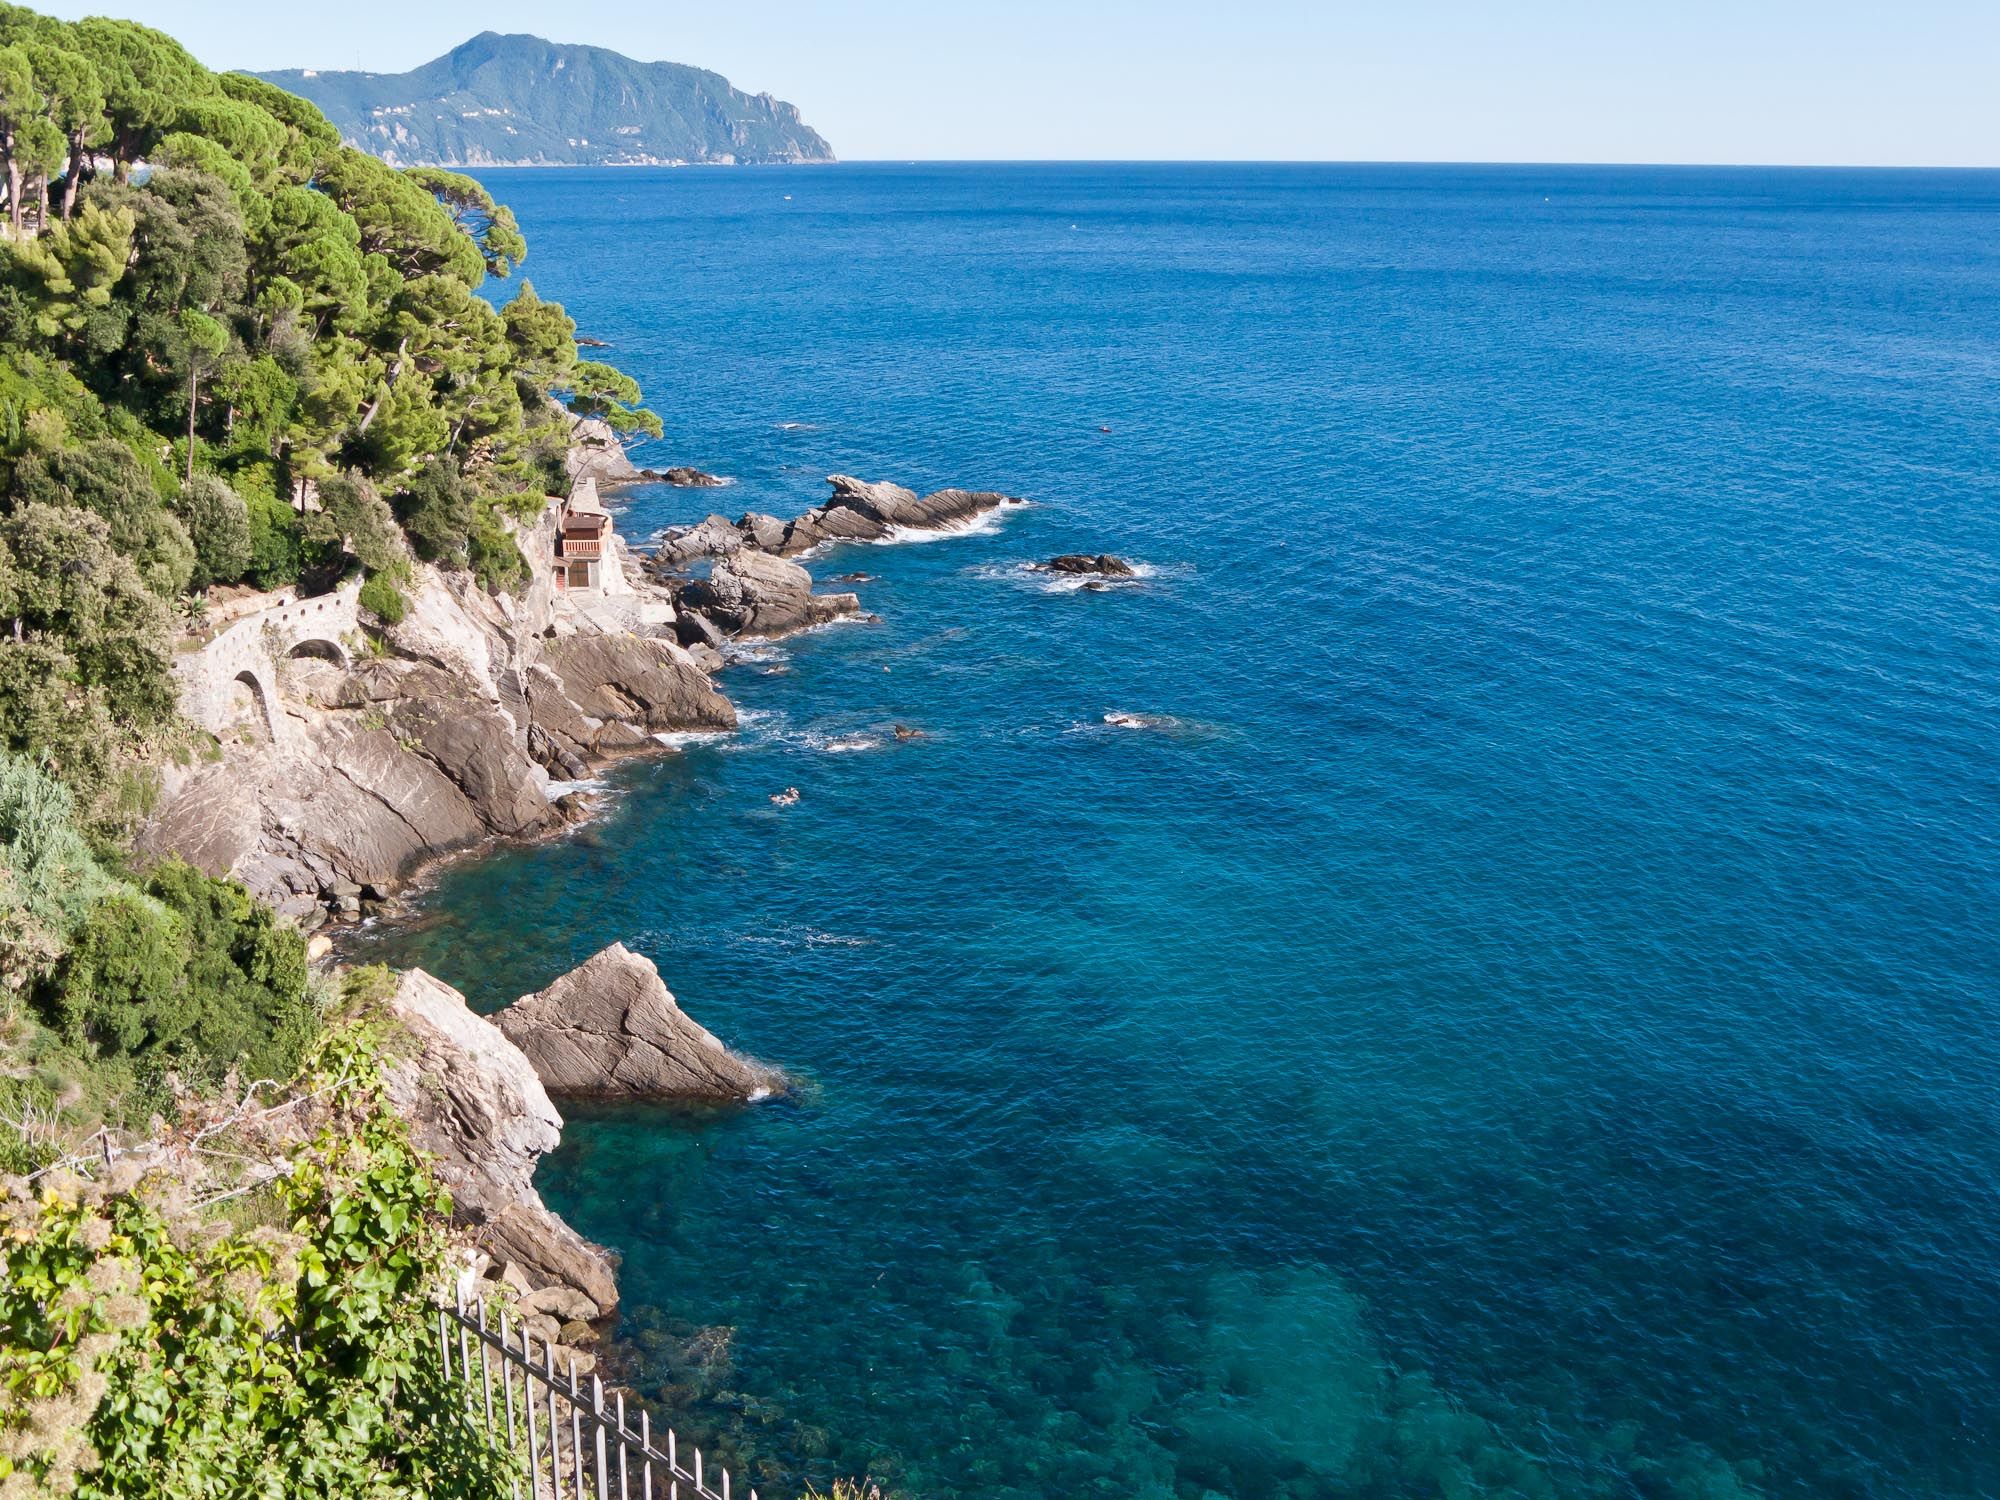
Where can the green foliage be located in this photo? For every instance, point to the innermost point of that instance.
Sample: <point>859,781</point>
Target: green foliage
<point>219,524</point>
<point>150,1350</point>
<point>190,969</point>
<point>436,511</point>
<point>380,597</point>
<point>492,552</point>
<point>354,518</point>
<point>276,542</point>
<point>49,880</point>
<point>597,390</point>
<point>103,628</point>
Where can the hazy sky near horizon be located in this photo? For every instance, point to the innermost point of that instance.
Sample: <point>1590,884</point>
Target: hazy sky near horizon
<point>1762,81</point>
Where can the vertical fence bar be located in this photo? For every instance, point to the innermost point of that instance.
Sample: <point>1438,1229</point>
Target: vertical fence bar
<point>444,1344</point>
<point>555,1426</point>
<point>507,1401</point>
<point>575,1432</point>
<point>698,1485</point>
<point>464,1354</point>
<point>528,1400</point>
<point>624,1485</point>
<point>645,1454</point>
<point>485,1366</point>
<point>597,1421</point>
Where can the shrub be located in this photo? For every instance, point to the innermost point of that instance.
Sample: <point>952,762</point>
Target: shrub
<point>437,512</point>
<point>219,523</point>
<point>149,1349</point>
<point>383,599</point>
<point>496,560</point>
<point>355,517</point>
<point>276,552</point>
<point>189,970</point>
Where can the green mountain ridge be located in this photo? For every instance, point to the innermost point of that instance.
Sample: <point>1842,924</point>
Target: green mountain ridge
<point>522,101</point>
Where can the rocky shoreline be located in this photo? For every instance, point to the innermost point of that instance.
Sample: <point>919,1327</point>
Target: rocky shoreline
<point>459,724</point>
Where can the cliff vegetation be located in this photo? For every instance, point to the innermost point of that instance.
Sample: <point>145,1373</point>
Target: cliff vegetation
<point>235,354</point>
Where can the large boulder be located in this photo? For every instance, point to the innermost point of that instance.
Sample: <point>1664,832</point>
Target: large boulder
<point>610,1028</point>
<point>596,453</point>
<point>686,476</point>
<point>474,1103</point>
<point>714,536</point>
<point>754,593</point>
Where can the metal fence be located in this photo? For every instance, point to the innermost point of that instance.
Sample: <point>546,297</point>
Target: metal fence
<point>570,1443</point>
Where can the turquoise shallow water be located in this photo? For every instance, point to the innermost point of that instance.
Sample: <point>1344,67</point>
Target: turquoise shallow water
<point>1520,1019</point>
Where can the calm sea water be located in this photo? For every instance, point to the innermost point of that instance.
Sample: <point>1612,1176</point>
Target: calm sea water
<point>1524,1016</point>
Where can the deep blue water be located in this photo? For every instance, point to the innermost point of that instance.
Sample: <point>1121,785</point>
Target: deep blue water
<point>1526,1018</point>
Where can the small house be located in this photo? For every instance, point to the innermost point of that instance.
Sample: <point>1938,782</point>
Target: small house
<point>584,549</point>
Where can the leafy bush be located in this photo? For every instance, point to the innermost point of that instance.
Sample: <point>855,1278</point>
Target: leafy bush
<point>149,1350</point>
<point>276,554</point>
<point>354,517</point>
<point>496,560</point>
<point>190,970</point>
<point>219,524</point>
<point>383,599</point>
<point>436,511</point>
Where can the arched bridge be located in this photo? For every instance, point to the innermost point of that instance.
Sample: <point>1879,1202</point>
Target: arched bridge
<point>249,654</point>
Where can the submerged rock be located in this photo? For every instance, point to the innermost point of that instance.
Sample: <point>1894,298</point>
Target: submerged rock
<point>611,1029</point>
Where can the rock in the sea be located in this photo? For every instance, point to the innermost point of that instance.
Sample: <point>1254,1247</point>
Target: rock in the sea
<point>767,533</point>
<point>713,536</point>
<point>865,511</point>
<point>474,1103</point>
<point>611,1029</point>
<point>688,478</point>
<point>754,593</point>
<point>1103,565</point>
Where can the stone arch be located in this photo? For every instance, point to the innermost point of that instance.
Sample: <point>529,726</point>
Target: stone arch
<point>323,647</point>
<point>263,697</point>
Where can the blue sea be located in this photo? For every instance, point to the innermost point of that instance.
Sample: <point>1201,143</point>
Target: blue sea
<point>1511,1006</point>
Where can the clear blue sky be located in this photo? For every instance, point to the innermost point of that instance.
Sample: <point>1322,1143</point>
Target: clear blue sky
<point>1912,82</point>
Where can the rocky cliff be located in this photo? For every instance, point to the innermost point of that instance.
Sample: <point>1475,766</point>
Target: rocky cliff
<point>442,730</point>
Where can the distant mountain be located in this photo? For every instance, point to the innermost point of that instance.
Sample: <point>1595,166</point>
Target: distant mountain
<point>518,100</point>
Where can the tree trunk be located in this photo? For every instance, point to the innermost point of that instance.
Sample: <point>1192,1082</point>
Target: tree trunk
<point>194,390</point>
<point>389,380</point>
<point>41,202</point>
<point>13,182</point>
<point>74,182</point>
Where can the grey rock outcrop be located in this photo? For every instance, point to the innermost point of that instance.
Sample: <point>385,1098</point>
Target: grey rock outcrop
<point>863,511</point>
<point>714,536</point>
<point>475,1105</point>
<point>1103,565</point>
<point>858,512</point>
<point>753,593</point>
<point>683,476</point>
<point>595,453</point>
<point>448,741</point>
<point>610,1028</point>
